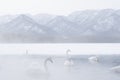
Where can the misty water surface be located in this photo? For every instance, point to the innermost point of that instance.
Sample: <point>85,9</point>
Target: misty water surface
<point>15,67</point>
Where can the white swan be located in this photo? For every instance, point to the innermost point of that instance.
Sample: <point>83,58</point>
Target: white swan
<point>93,59</point>
<point>116,69</point>
<point>68,61</point>
<point>36,71</point>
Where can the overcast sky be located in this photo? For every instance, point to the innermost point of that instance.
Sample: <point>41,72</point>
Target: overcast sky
<point>59,7</point>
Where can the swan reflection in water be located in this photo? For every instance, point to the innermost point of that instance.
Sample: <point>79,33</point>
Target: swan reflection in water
<point>36,71</point>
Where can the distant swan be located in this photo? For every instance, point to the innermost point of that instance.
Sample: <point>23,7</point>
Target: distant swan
<point>68,61</point>
<point>93,59</point>
<point>27,52</point>
<point>36,71</point>
<point>116,69</point>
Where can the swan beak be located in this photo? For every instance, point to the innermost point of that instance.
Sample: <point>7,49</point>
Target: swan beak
<point>51,60</point>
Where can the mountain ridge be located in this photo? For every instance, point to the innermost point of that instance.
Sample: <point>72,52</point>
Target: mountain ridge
<point>81,26</point>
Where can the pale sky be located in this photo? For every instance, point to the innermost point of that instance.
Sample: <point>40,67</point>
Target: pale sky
<point>59,7</point>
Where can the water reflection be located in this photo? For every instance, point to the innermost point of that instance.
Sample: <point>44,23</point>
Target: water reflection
<point>32,68</point>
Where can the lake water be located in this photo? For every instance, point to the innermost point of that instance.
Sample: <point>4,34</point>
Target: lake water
<point>15,64</point>
<point>19,67</point>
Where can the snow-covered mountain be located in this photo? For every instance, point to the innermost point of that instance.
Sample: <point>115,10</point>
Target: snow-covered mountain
<point>43,18</point>
<point>6,18</point>
<point>64,27</point>
<point>25,28</point>
<point>98,21</point>
<point>80,26</point>
<point>24,23</point>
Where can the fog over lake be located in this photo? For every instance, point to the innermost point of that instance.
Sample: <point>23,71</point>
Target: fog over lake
<point>27,61</point>
<point>60,49</point>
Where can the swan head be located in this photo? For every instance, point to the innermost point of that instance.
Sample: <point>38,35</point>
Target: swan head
<point>68,51</point>
<point>49,59</point>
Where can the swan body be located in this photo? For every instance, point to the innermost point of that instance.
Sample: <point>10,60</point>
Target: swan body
<point>36,71</point>
<point>68,61</point>
<point>93,59</point>
<point>115,69</point>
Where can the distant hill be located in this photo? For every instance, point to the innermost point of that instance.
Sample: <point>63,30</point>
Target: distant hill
<point>101,26</point>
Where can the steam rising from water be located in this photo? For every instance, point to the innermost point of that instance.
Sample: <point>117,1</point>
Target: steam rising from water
<point>15,68</point>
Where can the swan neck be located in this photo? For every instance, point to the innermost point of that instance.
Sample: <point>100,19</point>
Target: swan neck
<point>45,65</point>
<point>67,53</point>
<point>26,52</point>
